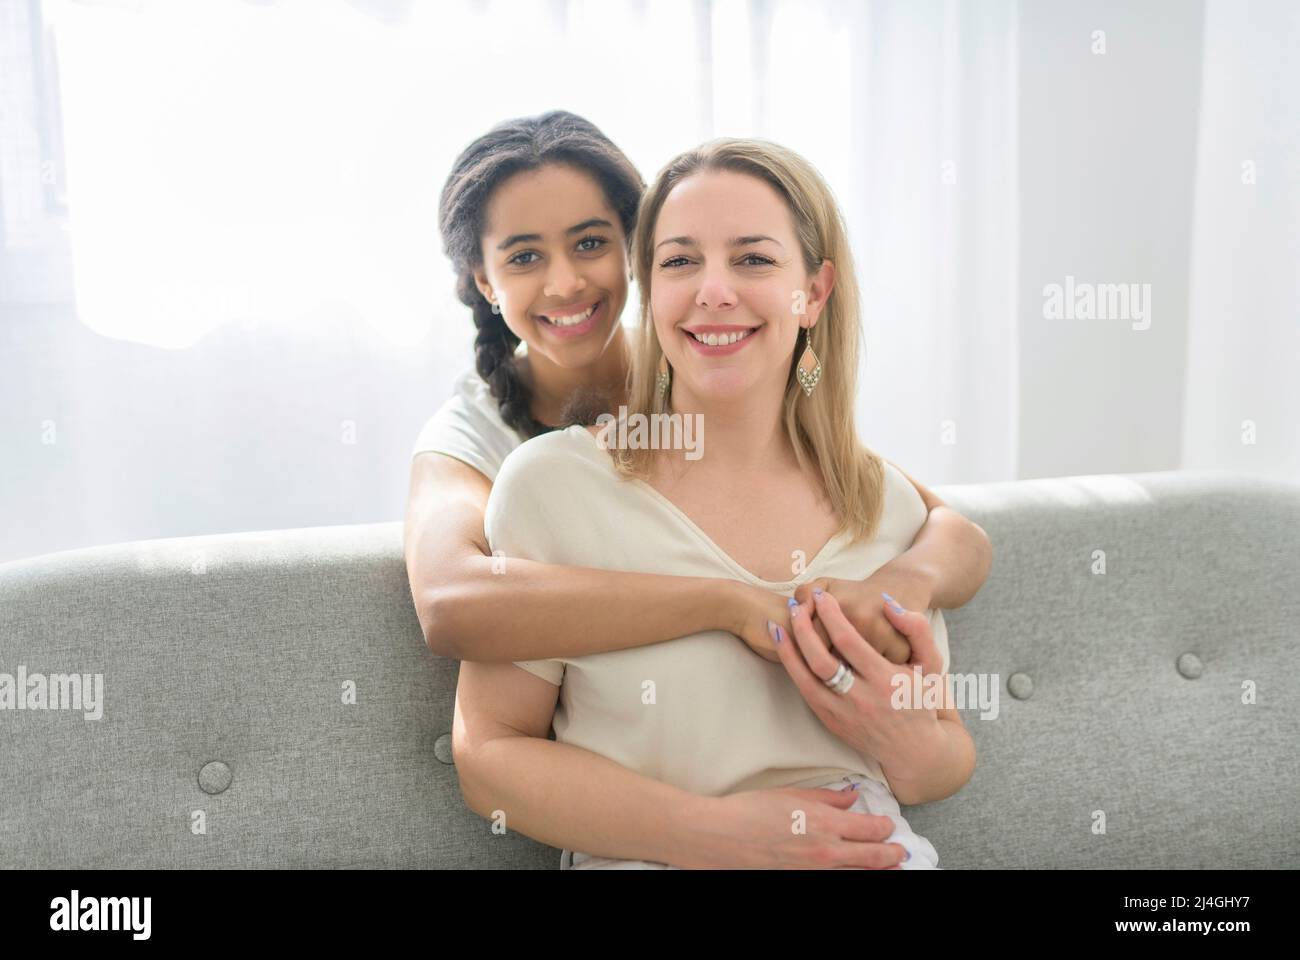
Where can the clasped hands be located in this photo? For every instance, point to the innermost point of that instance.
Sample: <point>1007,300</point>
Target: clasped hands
<point>830,621</point>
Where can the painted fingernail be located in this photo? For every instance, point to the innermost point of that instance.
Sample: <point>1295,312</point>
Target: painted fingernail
<point>892,603</point>
<point>793,604</point>
<point>817,591</point>
<point>771,630</point>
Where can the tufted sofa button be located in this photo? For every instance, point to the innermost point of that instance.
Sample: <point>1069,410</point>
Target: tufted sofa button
<point>442,748</point>
<point>1189,665</point>
<point>215,777</point>
<point>1021,687</point>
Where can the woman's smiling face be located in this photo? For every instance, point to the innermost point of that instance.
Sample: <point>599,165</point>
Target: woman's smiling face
<point>726,268</point>
<point>555,258</point>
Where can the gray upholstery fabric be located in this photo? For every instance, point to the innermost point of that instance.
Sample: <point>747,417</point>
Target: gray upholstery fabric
<point>224,660</point>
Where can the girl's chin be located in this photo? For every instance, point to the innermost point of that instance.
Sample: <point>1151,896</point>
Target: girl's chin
<point>576,353</point>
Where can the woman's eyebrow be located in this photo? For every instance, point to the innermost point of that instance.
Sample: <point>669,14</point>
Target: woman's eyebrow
<point>684,241</point>
<point>733,242</point>
<point>756,238</point>
<point>510,241</point>
<point>588,224</point>
<point>519,238</point>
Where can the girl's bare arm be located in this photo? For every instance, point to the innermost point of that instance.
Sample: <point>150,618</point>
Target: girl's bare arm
<point>950,553</point>
<point>473,606</point>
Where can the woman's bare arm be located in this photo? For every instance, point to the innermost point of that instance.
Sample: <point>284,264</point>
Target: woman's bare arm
<point>557,793</point>
<point>939,768</point>
<point>473,606</point>
<point>950,553</point>
<point>945,766</point>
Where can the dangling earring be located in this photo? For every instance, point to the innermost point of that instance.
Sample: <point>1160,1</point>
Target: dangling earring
<point>665,377</point>
<point>809,370</point>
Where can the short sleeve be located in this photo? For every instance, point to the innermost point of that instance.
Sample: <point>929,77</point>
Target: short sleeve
<point>524,520</point>
<point>469,428</point>
<point>552,671</point>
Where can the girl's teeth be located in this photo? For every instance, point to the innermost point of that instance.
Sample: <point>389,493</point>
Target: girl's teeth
<point>714,339</point>
<point>574,319</point>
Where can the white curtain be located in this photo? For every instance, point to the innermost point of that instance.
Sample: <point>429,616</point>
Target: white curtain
<point>1242,409</point>
<point>224,303</point>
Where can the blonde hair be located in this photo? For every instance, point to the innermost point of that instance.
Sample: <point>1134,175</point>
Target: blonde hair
<point>820,427</point>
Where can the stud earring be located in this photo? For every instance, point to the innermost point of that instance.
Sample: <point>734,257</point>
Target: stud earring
<point>809,370</point>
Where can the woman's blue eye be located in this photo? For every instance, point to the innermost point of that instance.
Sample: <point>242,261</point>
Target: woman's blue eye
<point>522,253</point>
<point>750,260</point>
<point>598,241</point>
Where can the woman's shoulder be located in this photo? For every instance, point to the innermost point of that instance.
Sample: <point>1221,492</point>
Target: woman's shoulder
<point>564,455</point>
<point>904,510</point>
<point>894,477</point>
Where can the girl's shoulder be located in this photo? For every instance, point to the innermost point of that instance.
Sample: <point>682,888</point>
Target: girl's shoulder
<point>472,397</point>
<point>468,427</point>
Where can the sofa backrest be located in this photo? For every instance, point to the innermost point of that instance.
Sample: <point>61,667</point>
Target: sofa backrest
<point>268,699</point>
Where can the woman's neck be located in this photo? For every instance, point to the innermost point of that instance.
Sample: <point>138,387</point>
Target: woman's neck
<point>552,386</point>
<point>739,436</point>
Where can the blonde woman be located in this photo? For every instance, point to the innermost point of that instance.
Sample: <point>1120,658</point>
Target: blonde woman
<point>695,752</point>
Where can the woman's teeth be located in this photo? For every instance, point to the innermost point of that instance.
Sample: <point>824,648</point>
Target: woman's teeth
<point>573,318</point>
<point>716,339</point>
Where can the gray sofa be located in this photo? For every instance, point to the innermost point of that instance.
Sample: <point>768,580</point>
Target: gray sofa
<point>225,739</point>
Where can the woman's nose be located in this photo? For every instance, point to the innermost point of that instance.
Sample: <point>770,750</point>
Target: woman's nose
<point>715,294</point>
<point>562,280</point>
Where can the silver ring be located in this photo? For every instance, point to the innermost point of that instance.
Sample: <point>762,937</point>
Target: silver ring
<point>842,682</point>
<point>839,675</point>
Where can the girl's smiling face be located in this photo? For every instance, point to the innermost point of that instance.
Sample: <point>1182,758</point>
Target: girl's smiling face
<point>555,258</point>
<point>729,287</point>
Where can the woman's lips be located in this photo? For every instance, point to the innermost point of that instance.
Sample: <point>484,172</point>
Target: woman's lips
<point>721,349</point>
<point>577,329</point>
